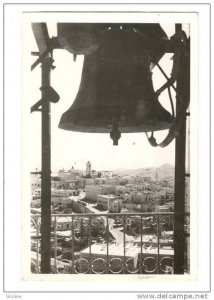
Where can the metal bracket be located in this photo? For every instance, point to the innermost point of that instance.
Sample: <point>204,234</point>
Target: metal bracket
<point>49,94</point>
<point>40,59</point>
<point>36,106</point>
<point>53,44</point>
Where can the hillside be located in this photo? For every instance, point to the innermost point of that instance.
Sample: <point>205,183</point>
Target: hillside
<point>164,171</point>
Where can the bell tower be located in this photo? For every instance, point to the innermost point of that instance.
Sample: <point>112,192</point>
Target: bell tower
<point>88,169</point>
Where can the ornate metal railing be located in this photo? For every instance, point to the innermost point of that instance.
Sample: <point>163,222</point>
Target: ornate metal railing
<point>114,243</point>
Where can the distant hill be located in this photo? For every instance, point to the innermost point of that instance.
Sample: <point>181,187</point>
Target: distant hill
<point>163,172</point>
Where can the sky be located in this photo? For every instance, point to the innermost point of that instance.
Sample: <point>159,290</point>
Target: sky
<point>73,148</point>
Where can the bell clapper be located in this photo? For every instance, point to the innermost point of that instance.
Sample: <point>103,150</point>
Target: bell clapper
<point>152,139</point>
<point>115,134</point>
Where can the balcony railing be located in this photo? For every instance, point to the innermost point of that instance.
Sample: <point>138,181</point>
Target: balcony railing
<point>113,243</point>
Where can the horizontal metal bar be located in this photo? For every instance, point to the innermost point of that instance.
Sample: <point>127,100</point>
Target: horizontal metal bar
<point>110,214</point>
<point>35,53</point>
<point>35,237</point>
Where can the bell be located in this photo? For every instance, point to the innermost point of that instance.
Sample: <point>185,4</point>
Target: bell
<point>116,88</point>
<point>78,38</point>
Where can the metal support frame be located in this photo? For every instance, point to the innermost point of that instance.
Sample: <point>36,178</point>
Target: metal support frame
<point>179,194</point>
<point>46,173</point>
<point>45,58</point>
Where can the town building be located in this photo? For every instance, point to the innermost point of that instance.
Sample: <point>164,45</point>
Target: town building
<point>92,191</point>
<point>131,222</point>
<point>106,174</point>
<point>100,181</point>
<point>56,196</point>
<point>83,225</point>
<point>115,206</point>
<point>113,181</point>
<point>81,182</point>
<point>121,190</point>
<point>89,181</point>
<point>105,202</point>
<point>129,179</point>
<point>62,223</point>
<point>134,207</point>
<point>66,203</point>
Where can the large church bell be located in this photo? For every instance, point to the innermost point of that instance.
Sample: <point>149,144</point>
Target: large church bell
<point>116,92</point>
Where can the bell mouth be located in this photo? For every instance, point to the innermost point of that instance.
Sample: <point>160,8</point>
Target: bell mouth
<point>107,129</point>
<point>98,126</point>
<point>134,118</point>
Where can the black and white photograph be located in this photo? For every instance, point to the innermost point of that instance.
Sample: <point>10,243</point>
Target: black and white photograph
<point>110,116</point>
<point>110,177</point>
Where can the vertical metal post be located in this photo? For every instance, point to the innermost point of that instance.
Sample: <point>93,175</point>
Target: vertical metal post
<point>180,147</point>
<point>158,243</point>
<point>179,241</point>
<point>72,250</point>
<point>107,253</point>
<point>124,243</point>
<point>37,244</point>
<point>46,172</point>
<point>141,245</point>
<point>55,244</point>
<point>90,258</point>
